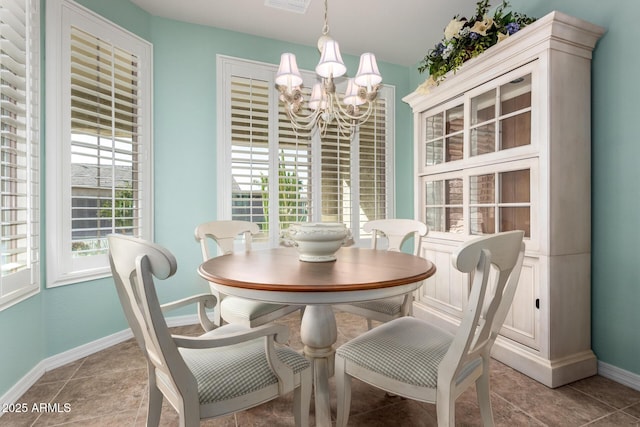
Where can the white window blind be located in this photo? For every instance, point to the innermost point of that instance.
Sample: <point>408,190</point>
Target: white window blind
<point>270,182</point>
<point>373,177</point>
<point>336,179</point>
<point>99,128</point>
<point>20,159</point>
<point>249,149</point>
<point>279,176</point>
<point>105,179</point>
<point>294,191</point>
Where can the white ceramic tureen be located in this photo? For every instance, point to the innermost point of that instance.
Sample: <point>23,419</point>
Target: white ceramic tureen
<point>317,241</point>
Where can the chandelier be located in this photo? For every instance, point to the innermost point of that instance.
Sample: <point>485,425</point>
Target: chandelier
<point>324,106</point>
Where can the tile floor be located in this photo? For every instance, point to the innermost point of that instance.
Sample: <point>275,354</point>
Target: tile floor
<point>108,388</point>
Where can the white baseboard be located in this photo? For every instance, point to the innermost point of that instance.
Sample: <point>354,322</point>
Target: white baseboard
<point>61,359</point>
<point>618,375</point>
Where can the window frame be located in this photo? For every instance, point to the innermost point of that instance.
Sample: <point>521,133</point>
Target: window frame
<point>266,70</point>
<point>62,15</point>
<point>25,283</point>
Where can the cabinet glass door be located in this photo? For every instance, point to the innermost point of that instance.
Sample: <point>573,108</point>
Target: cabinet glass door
<point>444,136</point>
<point>443,205</point>
<point>500,202</point>
<point>501,117</point>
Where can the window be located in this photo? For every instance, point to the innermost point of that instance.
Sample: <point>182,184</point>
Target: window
<point>274,176</point>
<point>99,143</point>
<point>20,136</point>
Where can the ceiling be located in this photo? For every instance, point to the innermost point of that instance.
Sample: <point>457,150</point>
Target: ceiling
<point>398,31</point>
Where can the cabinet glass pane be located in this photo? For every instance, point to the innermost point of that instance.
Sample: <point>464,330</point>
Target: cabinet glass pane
<point>483,139</point>
<point>515,95</point>
<point>515,101</point>
<point>455,119</point>
<point>454,147</point>
<point>434,128</point>
<point>443,210</point>
<point>515,131</point>
<point>482,189</point>
<point>453,193</point>
<point>434,194</point>
<point>434,218</point>
<point>433,152</point>
<point>514,187</point>
<point>483,107</point>
<point>483,220</point>
<point>516,218</point>
<point>455,220</point>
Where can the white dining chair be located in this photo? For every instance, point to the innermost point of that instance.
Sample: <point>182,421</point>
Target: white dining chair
<point>228,369</point>
<point>412,358</point>
<point>233,309</point>
<point>395,232</point>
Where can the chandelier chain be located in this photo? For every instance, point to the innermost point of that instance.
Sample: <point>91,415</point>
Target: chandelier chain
<point>325,28</point>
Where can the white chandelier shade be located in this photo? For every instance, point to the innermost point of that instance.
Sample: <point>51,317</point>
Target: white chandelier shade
<point>331,64</point>
<point>288,74</point>
<point>368,74</point>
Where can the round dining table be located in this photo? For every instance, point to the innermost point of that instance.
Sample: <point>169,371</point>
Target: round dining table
<point>278,276</point>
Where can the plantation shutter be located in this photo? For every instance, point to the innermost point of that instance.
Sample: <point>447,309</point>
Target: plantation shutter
<point>294,170</point>
<point>19,125</point>
<point>273,174</point>
<point>270,180</point>
<point>336,182</point>
<point>105,159</point>
<point>250,158</point>
<point>373,165</point>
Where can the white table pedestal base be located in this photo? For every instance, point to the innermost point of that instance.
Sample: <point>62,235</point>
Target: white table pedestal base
<point>318,332</point>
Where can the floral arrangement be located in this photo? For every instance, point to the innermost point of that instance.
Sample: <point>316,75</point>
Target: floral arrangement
<point>467,38</point>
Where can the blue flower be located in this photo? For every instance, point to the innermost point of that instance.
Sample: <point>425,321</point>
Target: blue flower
<point>512,27</point>
<point>474,36</point>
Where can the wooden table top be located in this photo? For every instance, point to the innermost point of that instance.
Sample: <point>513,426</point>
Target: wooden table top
<point>280,269</point>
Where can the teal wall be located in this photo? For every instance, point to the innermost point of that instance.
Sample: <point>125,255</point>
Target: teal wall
<point>22,336</point>
<point>185,133</point>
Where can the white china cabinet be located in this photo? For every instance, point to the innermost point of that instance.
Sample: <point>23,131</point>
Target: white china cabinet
<point>503,144</point>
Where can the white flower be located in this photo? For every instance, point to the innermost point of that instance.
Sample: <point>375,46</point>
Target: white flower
<point>480,28</point>
<point>452,29</point>
<point>447,51</point>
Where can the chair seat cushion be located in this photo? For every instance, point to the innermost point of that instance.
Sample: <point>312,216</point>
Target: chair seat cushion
<point>226,372</point>
<point>390,306</point>
<point>234,309</point>
<point>407,349</point>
